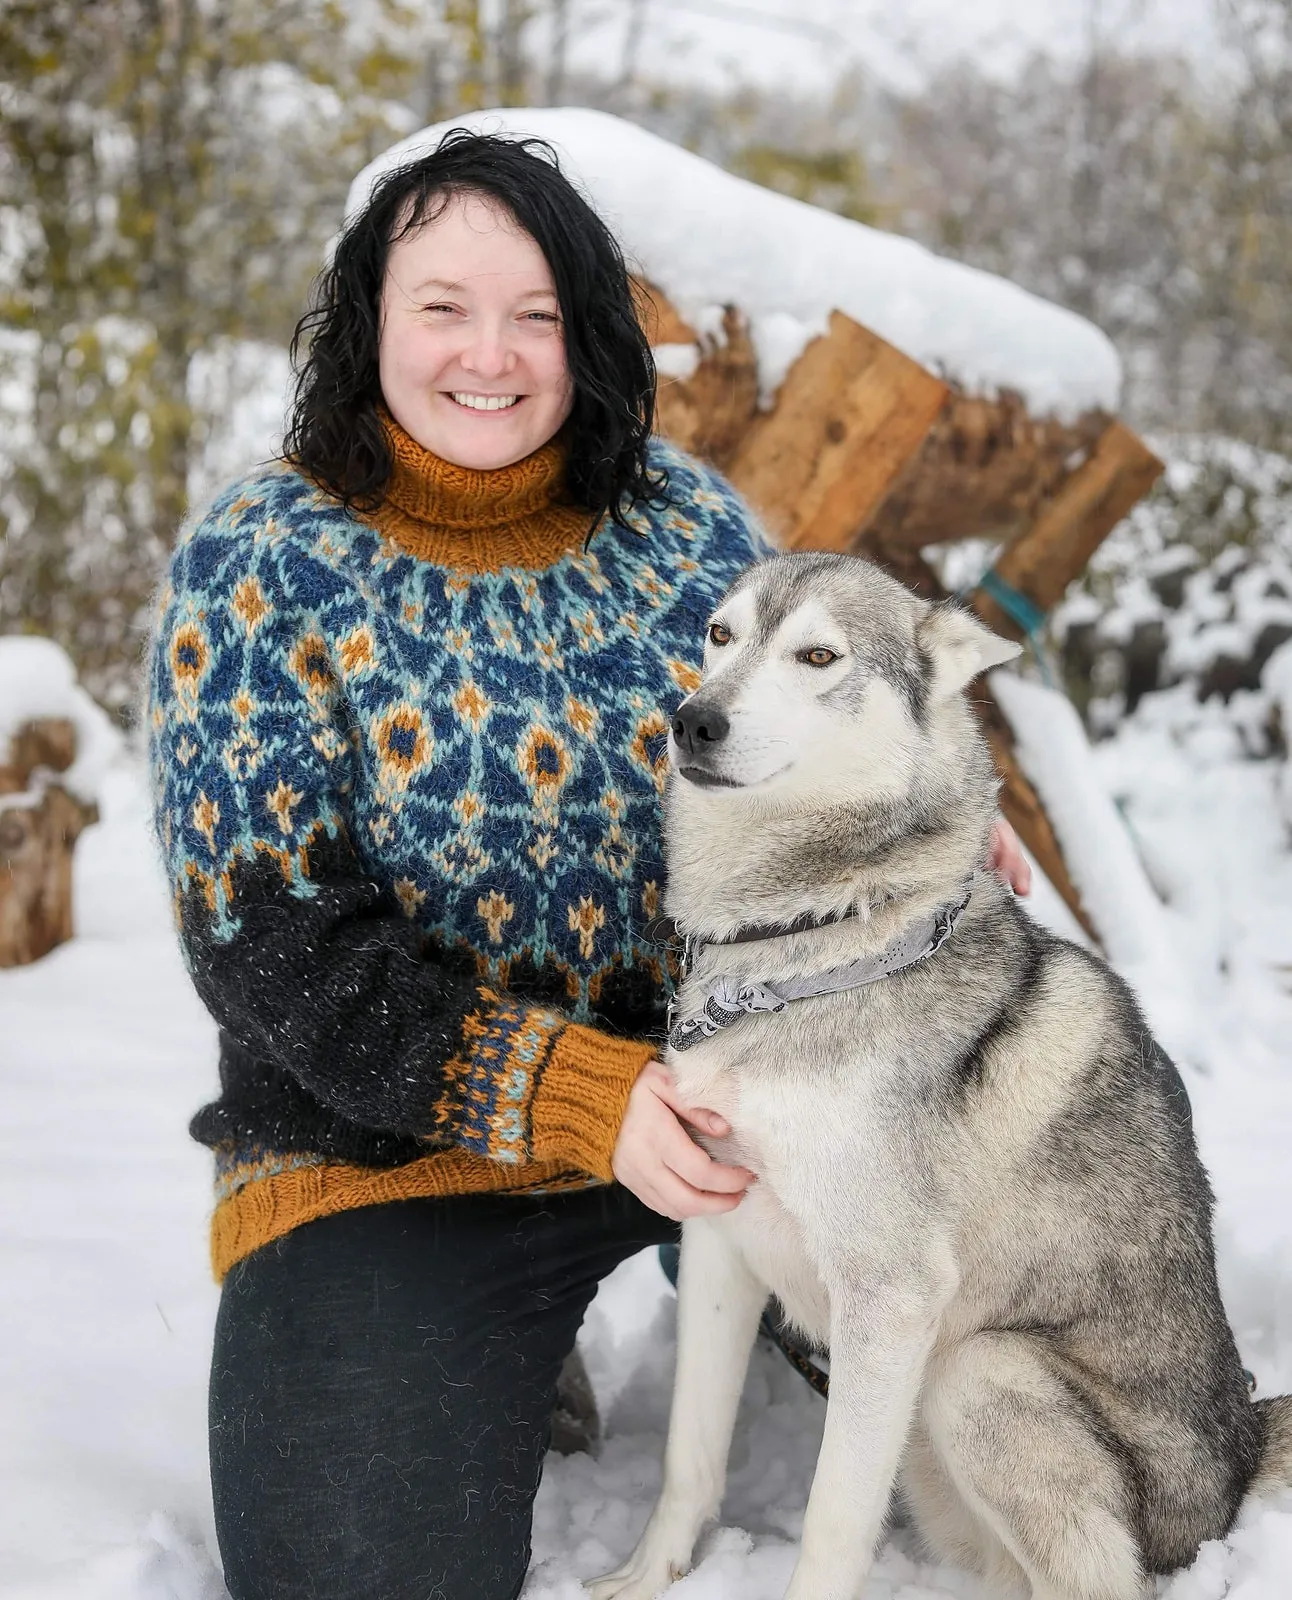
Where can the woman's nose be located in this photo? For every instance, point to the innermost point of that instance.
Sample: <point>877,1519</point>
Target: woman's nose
<point>488,353</point>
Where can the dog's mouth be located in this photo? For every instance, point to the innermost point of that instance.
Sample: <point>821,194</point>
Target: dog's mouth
<point>700,766</point>
<point>704,779</point>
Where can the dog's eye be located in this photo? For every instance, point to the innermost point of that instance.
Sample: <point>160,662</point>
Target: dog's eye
<point>820,657</point>
<point>718,634</point>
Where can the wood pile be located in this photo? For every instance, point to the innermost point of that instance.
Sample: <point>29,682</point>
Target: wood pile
<point>39,825</point>
<point>864,450</point>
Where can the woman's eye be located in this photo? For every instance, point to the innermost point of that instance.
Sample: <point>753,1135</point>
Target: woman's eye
<point>718,634</point>
<point>820,657</point>
<point>541,316</point>
<point>439,307</point>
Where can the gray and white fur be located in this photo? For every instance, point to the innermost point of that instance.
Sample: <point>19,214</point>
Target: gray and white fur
<point>977,1183</point>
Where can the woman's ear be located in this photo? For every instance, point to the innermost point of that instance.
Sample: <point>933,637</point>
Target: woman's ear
<point>960,648</point>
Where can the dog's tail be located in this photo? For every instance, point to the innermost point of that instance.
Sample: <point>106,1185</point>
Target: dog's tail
<point>1274,1473</point>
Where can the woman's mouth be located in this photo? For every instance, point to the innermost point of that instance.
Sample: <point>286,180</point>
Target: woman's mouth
<point>484,402</point>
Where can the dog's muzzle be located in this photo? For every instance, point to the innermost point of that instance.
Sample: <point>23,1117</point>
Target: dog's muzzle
<point>698,733</point>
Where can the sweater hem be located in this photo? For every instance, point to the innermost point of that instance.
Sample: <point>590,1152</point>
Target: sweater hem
<point>268,1208</point>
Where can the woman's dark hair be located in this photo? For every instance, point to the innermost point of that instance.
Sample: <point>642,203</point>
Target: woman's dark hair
<point>335,434</point>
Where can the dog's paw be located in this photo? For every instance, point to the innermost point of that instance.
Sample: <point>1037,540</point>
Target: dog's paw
<point>635,1580</point>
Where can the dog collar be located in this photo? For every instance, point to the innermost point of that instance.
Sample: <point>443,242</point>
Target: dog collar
<point>663,930</point>
<point>727,998</point>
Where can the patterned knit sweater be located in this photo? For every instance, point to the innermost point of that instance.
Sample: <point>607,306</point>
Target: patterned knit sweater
<point>407,772</point>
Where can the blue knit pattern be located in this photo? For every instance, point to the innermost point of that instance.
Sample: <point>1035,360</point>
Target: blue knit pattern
<point>492,745</point>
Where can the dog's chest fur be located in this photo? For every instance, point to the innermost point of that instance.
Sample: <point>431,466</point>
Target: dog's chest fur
<point>802,1121</point>
<point>871,1136</point>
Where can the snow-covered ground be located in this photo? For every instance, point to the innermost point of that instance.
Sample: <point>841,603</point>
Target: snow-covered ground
<point>106,1305</point>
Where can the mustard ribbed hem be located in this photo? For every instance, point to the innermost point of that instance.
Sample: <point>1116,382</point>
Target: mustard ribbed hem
<point>582,1098</point>
<point>267,1208</point>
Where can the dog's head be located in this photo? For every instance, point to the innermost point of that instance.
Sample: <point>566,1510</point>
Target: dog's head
<point>825,679</point>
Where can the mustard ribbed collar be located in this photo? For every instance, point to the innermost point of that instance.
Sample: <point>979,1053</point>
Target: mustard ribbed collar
<point>478,521</point>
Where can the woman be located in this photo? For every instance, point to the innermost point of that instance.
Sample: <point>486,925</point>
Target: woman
<point>407,743</point>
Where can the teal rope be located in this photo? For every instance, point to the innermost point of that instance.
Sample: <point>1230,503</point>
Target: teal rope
<point>1013,602</point>
<point>1023,610</point>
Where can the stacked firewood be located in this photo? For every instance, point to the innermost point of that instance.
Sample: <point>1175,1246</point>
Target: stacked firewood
<point>865,450</point>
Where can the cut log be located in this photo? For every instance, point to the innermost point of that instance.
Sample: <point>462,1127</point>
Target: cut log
<point>49,743</point>
<point>1045,558</point>
<point>983,471</point>
<point>663,322</point>
<point>848,417</point>
<point>710,412</point>
<point>39,825</point>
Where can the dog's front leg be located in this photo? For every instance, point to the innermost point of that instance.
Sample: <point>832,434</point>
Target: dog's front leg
<point>719,1302</point>
<point>879,1345</point>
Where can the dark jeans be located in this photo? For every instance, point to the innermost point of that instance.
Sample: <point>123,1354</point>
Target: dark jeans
<point>382,1387</point>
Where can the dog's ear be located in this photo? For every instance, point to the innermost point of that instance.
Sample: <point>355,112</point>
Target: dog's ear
<point>960,648</point>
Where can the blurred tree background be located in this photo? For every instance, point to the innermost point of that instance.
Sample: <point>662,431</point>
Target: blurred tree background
<point>171,172</point>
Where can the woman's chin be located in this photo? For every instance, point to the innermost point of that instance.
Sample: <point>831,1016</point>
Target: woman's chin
<point>478,460</point>
<point>471,444</point>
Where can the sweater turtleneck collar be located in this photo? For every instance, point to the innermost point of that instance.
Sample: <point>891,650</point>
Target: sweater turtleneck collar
<point>478,521</point>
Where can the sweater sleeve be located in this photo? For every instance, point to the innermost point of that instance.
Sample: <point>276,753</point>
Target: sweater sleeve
<point>299,955</point>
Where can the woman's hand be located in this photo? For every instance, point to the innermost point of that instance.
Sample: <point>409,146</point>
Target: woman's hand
<point>658,1160</point>
<point>1006,859</point>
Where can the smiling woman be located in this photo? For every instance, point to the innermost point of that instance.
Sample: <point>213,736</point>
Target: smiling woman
<point>474,277</point>
<point>409,692</point>
<point>472,358</point>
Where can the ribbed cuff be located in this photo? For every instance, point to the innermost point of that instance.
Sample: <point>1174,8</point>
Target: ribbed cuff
<point>582,1097</point>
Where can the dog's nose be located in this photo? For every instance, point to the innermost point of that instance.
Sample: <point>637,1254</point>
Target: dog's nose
<point>699,725</point>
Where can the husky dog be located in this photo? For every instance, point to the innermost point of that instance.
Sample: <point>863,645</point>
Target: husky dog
<point>978,1186</point>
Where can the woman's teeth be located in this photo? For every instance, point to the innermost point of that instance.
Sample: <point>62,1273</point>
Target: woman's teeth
<point>486,402</point>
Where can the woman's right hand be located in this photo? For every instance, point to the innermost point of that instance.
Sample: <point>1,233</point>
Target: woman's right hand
<point>658,1160</point>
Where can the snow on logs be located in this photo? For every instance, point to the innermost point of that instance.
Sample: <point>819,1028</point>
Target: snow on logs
<point>865,450</point>
<point>862,392</point>
<point>39,825</point>
<point>54,743</point>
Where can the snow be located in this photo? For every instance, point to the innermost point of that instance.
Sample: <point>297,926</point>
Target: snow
<point>239,389</point>
<point>106,1305</point>
<point>38,680</point>
<point>1276,680</point>
<point>709,239</point>
<point>804,46</point>
<point>677,360</point>
<point>107,1302</point>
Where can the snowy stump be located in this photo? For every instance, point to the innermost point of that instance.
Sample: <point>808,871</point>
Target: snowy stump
<point>56,746</point>
<point>39,826</point>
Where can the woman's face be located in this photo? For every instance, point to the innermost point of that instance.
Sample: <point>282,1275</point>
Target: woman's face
<point>472,352</point>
